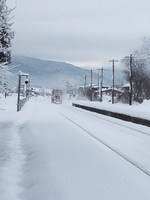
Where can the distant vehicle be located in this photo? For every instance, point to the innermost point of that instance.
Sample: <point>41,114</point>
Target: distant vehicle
<point>56,96</point>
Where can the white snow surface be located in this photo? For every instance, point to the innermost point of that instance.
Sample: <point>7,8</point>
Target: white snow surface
<point>44,156</point>
<point>136,110</point>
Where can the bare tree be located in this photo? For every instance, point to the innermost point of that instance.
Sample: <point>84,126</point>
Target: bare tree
<point>140,71</point>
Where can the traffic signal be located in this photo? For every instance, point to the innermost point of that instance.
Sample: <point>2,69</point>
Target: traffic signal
<point>26,81</point>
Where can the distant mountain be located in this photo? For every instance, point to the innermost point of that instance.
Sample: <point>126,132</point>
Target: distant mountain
<point>52,74</point>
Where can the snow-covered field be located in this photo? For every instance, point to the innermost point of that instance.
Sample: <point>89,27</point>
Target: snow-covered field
<point>46,153</point>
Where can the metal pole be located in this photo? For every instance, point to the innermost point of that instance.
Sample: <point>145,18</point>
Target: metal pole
<point>27,87</point>
<point>19,86</point>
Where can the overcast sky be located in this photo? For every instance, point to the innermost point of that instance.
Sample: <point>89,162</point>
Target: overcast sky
<point>81,32</point>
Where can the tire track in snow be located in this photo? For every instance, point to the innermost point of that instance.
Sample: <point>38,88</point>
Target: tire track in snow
<point>11,169</point>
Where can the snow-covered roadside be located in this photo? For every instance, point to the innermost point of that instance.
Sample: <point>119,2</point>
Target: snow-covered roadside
<point>11,163</point>
<point>136,110</point>
<point>14,157</point>
<point>62,164</point>
<point>8,108</point>
<point>53,159</point>
<point>11,154</point>
<point>2,102</point>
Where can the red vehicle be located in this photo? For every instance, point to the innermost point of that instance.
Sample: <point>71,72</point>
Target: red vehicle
<point>56,96</point>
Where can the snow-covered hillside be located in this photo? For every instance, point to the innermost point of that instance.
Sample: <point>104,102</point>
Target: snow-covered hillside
<point>48,74</point>
<point>52,74</point>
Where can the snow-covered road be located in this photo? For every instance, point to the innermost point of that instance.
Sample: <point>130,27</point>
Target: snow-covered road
<point>46,152</point>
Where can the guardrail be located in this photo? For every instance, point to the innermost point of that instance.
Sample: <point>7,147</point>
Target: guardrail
<point>124,117</point>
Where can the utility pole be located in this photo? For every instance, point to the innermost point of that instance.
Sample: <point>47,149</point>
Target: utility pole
<point>101,86</point>
<point>131,88</point>
<point>113,79</point>
<point>85,85</point>
<point>91,86</point>
<point>98,82</point>
<point>130,77</point>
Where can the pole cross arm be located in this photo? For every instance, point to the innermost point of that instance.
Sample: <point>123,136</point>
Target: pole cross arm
<point>22,74</point>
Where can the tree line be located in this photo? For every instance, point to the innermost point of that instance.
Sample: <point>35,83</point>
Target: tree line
<point>6,36</point>
<point>140,72</point>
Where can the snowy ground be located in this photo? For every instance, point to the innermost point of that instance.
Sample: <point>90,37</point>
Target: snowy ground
<point>136,110</point>
<point>46,153</point>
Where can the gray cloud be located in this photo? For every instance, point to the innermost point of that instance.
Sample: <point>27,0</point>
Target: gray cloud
<point>81,31</point>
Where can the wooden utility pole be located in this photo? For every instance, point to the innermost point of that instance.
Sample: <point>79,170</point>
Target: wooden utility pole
<point>130,77</point>
<point>91,86</point>
<point>101,86</point>
<point>131,88</point>
<point>85,85</point>
<point>98,81</point>
<point>113,79</point>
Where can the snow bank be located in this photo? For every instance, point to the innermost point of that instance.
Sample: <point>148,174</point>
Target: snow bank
<point>136,110</point>
<point>2,102</point>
